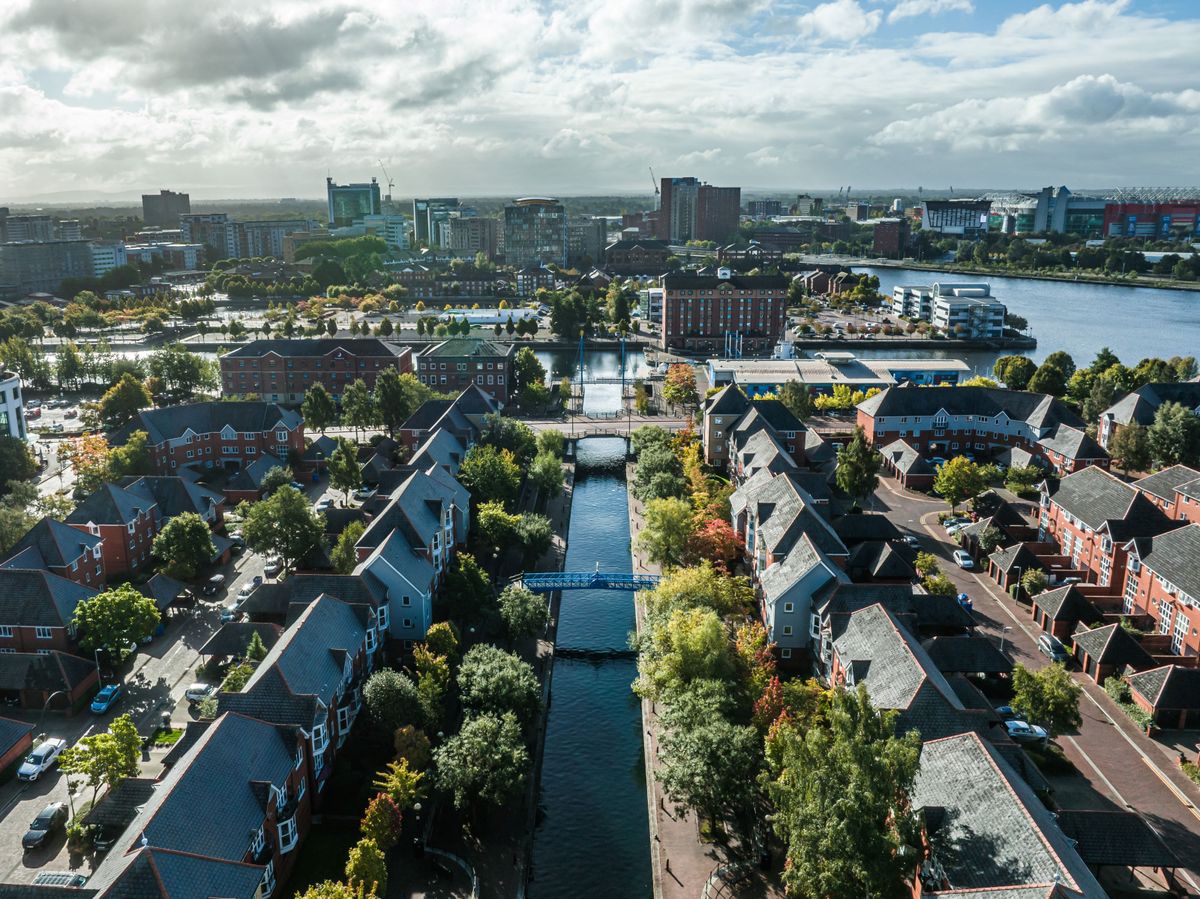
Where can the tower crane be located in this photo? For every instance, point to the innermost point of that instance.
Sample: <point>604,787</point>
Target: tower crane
<point>653,180</point>
<point>388,179</point>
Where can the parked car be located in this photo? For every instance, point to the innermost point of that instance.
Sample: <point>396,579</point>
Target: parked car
<point>273,567</point>
<point>1023,732</point>
<point>1006,713</point>
<point>41,759</point>
<point>298,486</point>
<point>213,585</point>
<point>230,611</point>
<point>955,521</point>
<point>105,836</point>
<point>364,493</point>
<point>106,698</point>
<point>955,528</point>
<point>238,541</point>
<point>199,692</point>
<point>50,819</point>
<point>912,540</point>
<point>963,559</point>
<point>35,412</point>
<point>56,428</point>
<point>246,592</point>
<point>323,505</point>
<point>1050,645</point>
<point>71,413</point>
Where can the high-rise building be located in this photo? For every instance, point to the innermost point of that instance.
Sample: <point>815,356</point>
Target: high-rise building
<point>348,202</point>
<point>535,232</point>
<point>107,255</point>
<point>764,208</point>
<point>265,238</point>
<point>214,230</point>
<point>41,266</point>
<point>689,209</point>
<point>428,214</point>
<point>725,313</point>
<point>474,234</point>
<point>162,210</point>
<point>891,237</point>
<point>586,239</point>
<point>25,227</point>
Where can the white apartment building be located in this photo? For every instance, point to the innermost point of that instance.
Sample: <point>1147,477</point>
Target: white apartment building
<point>106,256</point>
<point>12,406</point>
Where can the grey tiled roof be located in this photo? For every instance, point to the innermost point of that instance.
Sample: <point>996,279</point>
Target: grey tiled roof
<point>785,511</point>
<point>729,400</point>
<point>1113,645</point>
<point>315,346</point>
<point>12,732</point>
<point>967,654</point>
<point>1175,556</point>
<point>1039,409</point>
<point>865,526</point>
<point>212,799</point>
<point>58,544</point>
<point>111,504</point>
<point>426,415</point>
<point>45,673</point>
<point>987,828</point>
<point>207,418</point>
<point>162,874</point>
<point>1164,483</point>
<point>762,451</point>
<point>1115,837</point>
<point>1068,604</point>
<point>1140,406</point>
<point>37,598</point>
<point>906,459</point>
<point>468,346</point>
<point>173,495</point>
<point>879,560</point>
<point>1096,497</point>
<point>1072,442</point>
<point>274,600</point>
<point>1169,686</point>
<point>119,806</point>
<point>234,636</point>
<point>804,558</point>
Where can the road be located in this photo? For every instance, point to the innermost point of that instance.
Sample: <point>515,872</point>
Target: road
<point>1123,768</point>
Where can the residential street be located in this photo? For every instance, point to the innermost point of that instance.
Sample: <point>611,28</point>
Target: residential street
<point>1123,768</point>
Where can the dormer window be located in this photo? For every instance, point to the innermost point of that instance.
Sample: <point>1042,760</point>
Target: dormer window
<point>258,843</point>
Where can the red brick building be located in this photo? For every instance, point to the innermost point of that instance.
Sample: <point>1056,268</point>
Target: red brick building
<point>643,256</point>
<point>453,365</point>
<point>891,237</point>
<point>284,370</point>
<point>36,609</point>
<point>700,312</point>
<point>1091,516</point>
<point>228,436</point>
<point>1164,582</point>
<point>1175,490</point>
<point>126,523</point>
<point>62,550</point>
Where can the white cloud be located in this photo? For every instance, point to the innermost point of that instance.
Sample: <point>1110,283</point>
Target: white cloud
<point>840,20</point>
<point>905,9</point>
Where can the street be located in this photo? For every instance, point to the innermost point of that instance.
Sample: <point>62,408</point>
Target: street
<point>1122,767</point>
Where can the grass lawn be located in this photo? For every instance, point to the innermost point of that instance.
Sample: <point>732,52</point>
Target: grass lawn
<point>322,857</point>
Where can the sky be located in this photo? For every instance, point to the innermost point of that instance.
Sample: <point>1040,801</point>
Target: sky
<point>225,99</point>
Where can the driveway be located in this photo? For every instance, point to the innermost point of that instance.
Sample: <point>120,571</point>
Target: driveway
<point>1123,767</point>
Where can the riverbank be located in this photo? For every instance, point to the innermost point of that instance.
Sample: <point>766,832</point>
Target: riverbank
<point>981,272</point>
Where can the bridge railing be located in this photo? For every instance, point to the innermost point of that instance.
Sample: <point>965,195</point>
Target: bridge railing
<point>547,582</point>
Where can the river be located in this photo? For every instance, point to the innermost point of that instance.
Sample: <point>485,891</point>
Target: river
<point>1134,322</point>
<point>592,837</point>
<point>597,398</point>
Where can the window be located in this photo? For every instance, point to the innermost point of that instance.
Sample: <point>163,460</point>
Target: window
<point>785,653</point>
<point>406,601</point>
<point>406,623</point>
<point>787,630</point>
<point>1180,631</point>
<point>287,835</point>
<point>43,633</point>
<point>258,843</point>
<point>6,630</point>
<point>789,607</point>
<point>1164,620</point>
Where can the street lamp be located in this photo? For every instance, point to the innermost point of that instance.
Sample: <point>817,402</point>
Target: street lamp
<point>1003,631</point>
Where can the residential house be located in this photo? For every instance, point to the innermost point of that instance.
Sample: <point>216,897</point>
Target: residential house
<point>281,602</point>
<point>772,512</point>
<point>790,593</point>
<point>312,679</point>
<point>36,608</point>
<point>1061,610</point>
<point>1163,581</point>
<point>227,436</point>
<point>46,680</point>
<point>1109,650</point>
<point>1091,515</point>
<point>1175,490</point>
<point>1170,694</point>
<point>62,550</point>
<point>1139,407</point>
<point>283,370</point>
<point>983,421</point>
<point>908,465</point>
<point>126,523</point>
<point>457,363</point>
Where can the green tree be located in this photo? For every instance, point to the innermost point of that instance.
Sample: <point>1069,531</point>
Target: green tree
<point>114,619</point>
<point>391,701</point>
<point>123,401</point>
<point>16,461</point>
<point>400,782</point>
<point>318,408</point>
<point>412,746</point>
<point>546,473</point>
<point>398,396</point>
<point>180,372</point>
<point>256,649</point>
<point>524,613</point>
<point>467,595</point>
<point>699,586</point>
<point>938,584</point>
<point>442,639</point>
<point>358,407</point>
<point>551,442</point>
<point>1034,581</point>
<point>667,529</point>
<point>841,796</point>
<point>617,304</point>
<point>526,370</point>
<point>277,477</point>
<point>1049,697</point>
<point>509,434</point>
<point>494,525</point>
<point>798,400</point>
<point>857,471</point>
<point>331,889</point>
<point>1049,379</point>
<point>686,646</point>
<point>433,682</point>
<point>344,472</point>
<point>1130,448</point>
<point>679,386</point>
<point>382,821</point>
<point>283,524</point>
<point>535,535</point>
<point>367,868</point>
<point>1101,394</point>
<point>1061,360</point>
<point>184,545</point>
<point>132,458</point>
<point>958,480</point>
<point>69,365</point>
<point>490,474</point>
<point>492,681</point>
<point>712,768</point>
<point>1175,435</point>
<point>344,556</point>
<point>486,761</point>
<point>104,759</point>
<point>1014,371</point>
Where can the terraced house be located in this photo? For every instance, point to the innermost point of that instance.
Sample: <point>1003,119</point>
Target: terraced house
<point>284,370</point>
<point>36,608</point>
<point>1164,582</point>
<point>60,549</point>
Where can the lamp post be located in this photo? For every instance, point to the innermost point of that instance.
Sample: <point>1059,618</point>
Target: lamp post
<point>1003,631</point>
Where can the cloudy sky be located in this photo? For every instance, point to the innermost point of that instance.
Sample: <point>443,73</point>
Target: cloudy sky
<point>233,99</point>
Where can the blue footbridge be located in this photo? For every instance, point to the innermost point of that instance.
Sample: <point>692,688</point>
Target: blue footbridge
<point>551,581</point>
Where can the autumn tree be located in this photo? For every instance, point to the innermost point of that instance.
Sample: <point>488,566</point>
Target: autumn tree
<point>366,868</point>
<point>666,531</point>
<point>679,386</point>
<point>716,541</point>
<point>382,821</point>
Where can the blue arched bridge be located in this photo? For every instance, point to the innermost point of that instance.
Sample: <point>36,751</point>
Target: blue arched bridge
<point>550,581</point>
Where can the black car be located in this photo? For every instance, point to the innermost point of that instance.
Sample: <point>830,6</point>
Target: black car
<point>104,836</point>
<point>50,819</point>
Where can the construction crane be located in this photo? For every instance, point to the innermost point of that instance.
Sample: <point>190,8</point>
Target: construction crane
<point>388,179</point>
<point>653,180</point>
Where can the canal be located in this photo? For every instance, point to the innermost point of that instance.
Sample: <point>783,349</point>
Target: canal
<point>1134,322</point>
<point>606,363</point>
<point>592,837</point>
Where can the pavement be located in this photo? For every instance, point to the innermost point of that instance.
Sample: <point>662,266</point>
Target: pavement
<point>1119,766</point>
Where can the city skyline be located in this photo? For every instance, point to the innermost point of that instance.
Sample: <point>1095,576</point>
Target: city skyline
<point>101,101</point>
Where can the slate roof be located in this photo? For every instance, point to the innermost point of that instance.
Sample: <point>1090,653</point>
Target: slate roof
<point>856,528</point>
<point>45,673</point>
<point>919,611</point>
<point>416,509</point>
<point>111,504</point>
<point>646,243</point>
<point>777,415</point>
<point>1038,409</point>
<point>274,600</point>
<point>170,422</point>
<point>119,806</point>
<point>784,511</point>
<point>37,598</point>
<point>906,459</point>
<point>967,654</point>
<point>426,415</point>
<point>1098,498</point>
<point>1113,645</point>
<point>250,477</point>
<point>234,636</point>
<point>1163,484</point>
<point>1072,443</point>
<point>214,797</point>
<point>688,281</point>
<point>164,874</point>
<point>1068,604</point>
<point>763,452</point>
<point>987,828</point>
<point>163,590</point>
<point>879,560</point>
<point>12,732</point>
<point>1140,406</point>
<point>56,544</point>
<point>321,448</point>
<point>439,448</point>
<point>315,346</point>
<point>1115,837</point>
<point>172,494</point>
<point>1175,556</point>
<point>729,400</point>
<point>777,580</point>
<point>1017,555</point>
<point>1169,687</point>
<point>457,347</point>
